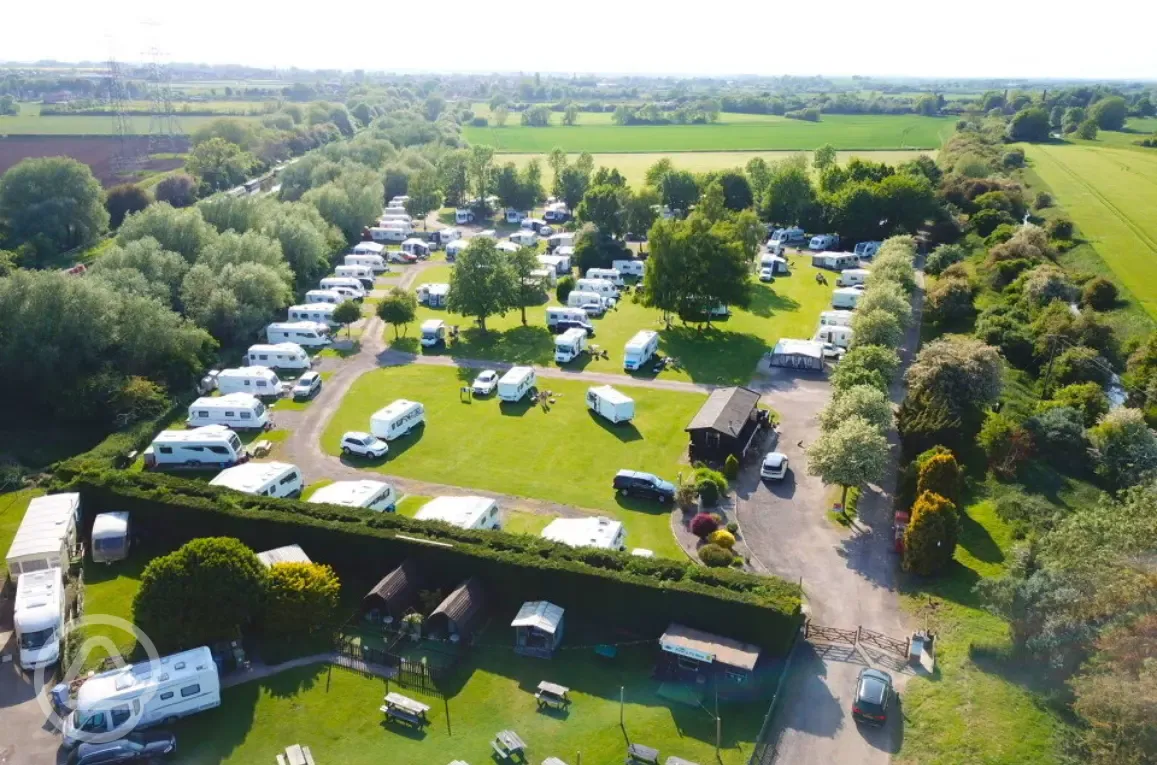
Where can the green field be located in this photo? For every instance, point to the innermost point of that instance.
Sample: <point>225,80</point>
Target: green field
<point>1111,194</point>
<point>766,133</point>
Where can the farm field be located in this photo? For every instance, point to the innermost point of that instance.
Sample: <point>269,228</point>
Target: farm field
<point>563,455</point>
<point>90,125</point>
<point>769,133</point>
<point>1111,195</point>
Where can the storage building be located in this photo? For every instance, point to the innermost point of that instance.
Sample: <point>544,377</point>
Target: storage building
<point>538,629</point>
<point>456,617</point>
<point>726,424</point>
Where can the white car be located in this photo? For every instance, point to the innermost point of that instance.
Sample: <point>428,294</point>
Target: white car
<point>363,445</point>
<point>307,385</point>
<point>593,309</point>
<point>833,351</point>
<point>765,275</point>
<point>485,383</point>
<point>774,467</point>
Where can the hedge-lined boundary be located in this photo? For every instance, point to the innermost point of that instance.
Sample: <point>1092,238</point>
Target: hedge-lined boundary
<point>642,595</point>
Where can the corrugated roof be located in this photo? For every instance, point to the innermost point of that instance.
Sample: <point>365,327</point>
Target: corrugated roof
<point>397,589</point>
<point>462,607</point>
<point>726,411</point>
<point>540,614</point>
<point>723,649</point>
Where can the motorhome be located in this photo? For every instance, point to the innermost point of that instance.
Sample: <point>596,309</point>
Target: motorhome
<point>416,247</point>
<point>840,337</point>
<point>850,277</point>
<point>347,282</point>
<point>564,239</point>
<point>324,296</point>
<point>524,238</point>
<point>463,217</point>
<point>397,419</point>
<point>846,297</point>
<point>516,383</point>
<point>786,236</point>
<point>363,274</point>
<point>867,250</point>
<point>240,411</point>
<point>777,264</point>
<point>629,267</point>
<point>46,536</point>
<point>112,704</point>
<point>262,479</point>
<point>111,536</point>
<point>464,512</point>
<point>608,274</point>
<point>555,314</point>
<point>378,496</point>
<point>307,334</point>
<point>38,618</point>
<point>640,349</point>
<point>376,262</point>
<point>610,404</point>
<point>570,345</point>
<point>836,318</point>
<point>279,356</point>
<point>592,303</point>
<point>322,313</point>
<point>835,261</point>
<point>391,234</point>
<point>433,333</point>
<point>455,248</point>
<point>262,382</point>
<point>603,287</point>
<point>823,242</point>
<point>515,216</point>
<point>207,446</point>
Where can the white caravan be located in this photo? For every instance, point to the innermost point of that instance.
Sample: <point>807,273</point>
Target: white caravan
<point>610,404</point>
<point>515,216</point>
<point>368,248</point>
<point>241,411</point>
<point>397,215</point>
<point>324,296</point>
<point>599,286</point>
<point>850,277</point>
<point>568,254</point>
<point>835,261</point>
<point>464,512</point>
<point>260,381</point>
<point>433,295</point>
<point>785,236</point>
<point>629,267</point>
<point>777,264</point>
<point>836,318</point>
<point>570,345</point>
<point>278,356</point>
<point>524,238</point>
<point>867,250</point>
<point>507,247</point>
<point>487,233</point>
<point>263,479</point>
<point>321,313</point>
<point>38,618</point>
<point>840,337</point>
<point>378,496</point>
<point>554,241</point>
<point>376,263</point>
<point>555,314</point>
<point>349,283</point>
<point>559,264</point>
<point>46,536</point>
<point>445,236</point>
<point>110,537</point>
<point>543,276</point>
<point>208,446</point>
<point>516,383</point>
<point>846,297</point>
<point>416,247</point>
<point>456,248</point>
<point>606,274</point>
<point>393,234</point>
<point>592,303</point>
<point>308,334</point>
<point>433,333</point>
<point>823,242</point>
<point>397,419</point>
<point>363,274</point>
<point>463,217</point>
<point>114,703</point>
<point>640,349</point>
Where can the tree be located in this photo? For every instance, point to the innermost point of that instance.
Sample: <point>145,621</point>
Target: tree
<point>433,106</point>
<point>603,206</point>
<point>873,365</point>
<point>1056,117</point>
<point>8,106</point>
<point>125,199</point>
<point>639,207</point>
<point>398,308</point>
<point>346,313</point>
<point>536,116</point>
<point>737,194</point>
<point>1080,364</point>
<point>179,190</point>
<point>501,114</point>
<point>930,539</point>
<point>528,290</point>
<point>160,269</point>
<point>513,189</point>
<point>939,474</point>
<point>857,401</point>
<point>424,195</point>
<point>1087,130</point>
<point>209,589</point>
<point>52,204</point>
<point>563,289</point>
<point>235,301</point>
<point>220,164</point>
<point>482,283</point>
<point>854,453</point>
<point>789,197</point>
<point>351,202</point>
<point>1007,444</point>
<point>1030,124</point>
<point>944,256</point>
<point>1100,294</point>
<point>1058,433</point>
<point>950,301</point>
<point>557,162</point>
<point>453,170</point>
<point>481,170</point>
<point>1073,118</point>
<point>678,190</point>
<point>1109,113</point>
<point>306,240</point>
<point>1125,447</point>
<point>1088,399</point>
<point>824,158</point>
<point>570,116</point>
<point>572,186</point>
<point>692,269</point>
<point>877,327</point>
<point>300,598</point>
<point>888,297</point>
<point>958,370</point>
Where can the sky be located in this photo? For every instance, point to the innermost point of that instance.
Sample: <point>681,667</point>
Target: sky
<point>975,39</point>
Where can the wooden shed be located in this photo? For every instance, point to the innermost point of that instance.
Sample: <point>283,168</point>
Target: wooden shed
<point>726,424</point>
<point>396,593</point>
<point>460,613</point>
<point>537,629</point>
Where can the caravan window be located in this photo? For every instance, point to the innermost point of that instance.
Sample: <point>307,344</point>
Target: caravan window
<point>120,716</point>
<point>165,449</point>
<point>245,415</point>
<point>190,690</point>
<point>288,479</point>
<point>235,442</point>
<point>166,695</point>
<point>246,383</point>
<point>218,450</point>
<point>230,414</point>
<point>261,384</point>
<point>202,413</point>
<point>94,723</point>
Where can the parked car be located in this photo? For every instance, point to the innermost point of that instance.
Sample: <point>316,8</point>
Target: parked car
<point>139,746</point>
<point>594,309</point>
<point>485,383</point>
<point>873,692</point>
<point>363,445</point>
<point>307,385</point>
<point>397,256</point>
<point>774,467</point>
<point>632,483</point>
<point>766,275</point>
<point>831,351</point>
<point>564,324</point>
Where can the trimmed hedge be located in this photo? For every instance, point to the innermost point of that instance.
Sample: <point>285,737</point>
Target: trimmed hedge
<point>640,594</point>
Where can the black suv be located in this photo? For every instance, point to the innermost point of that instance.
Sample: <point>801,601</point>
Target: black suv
<point>632,483</point>
<point>563,325</point>
<point>140,746</point>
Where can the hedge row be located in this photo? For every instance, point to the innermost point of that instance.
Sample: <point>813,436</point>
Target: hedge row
<point>639,594</point>
<point>116,446</point>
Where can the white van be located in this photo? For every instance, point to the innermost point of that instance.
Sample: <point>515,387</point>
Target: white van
<point>640,349</point>
<point>207,446</point>
<point>602,287</point>
<point>349,283</point>
<point>393,234</point>
<point>846,297</point>
<point>554,241</point>
<point>113,703</point>
<point>263,479</point>
<point>555,314</point>
<point>850,277</point>
<point>433,333</point>
<point>606,274</point>
<point>463,217</point>
<point>785,236</point>
<point>378,496</point>
<point>324,296</point>
<point>516,383</point>
<point>629,267</point>
<point>321,313</point>
<point>524,238</point>
<point>374,262</point>
<point>397,419</point>
<point>110,537</point>
<point>262,382</point>
<point>242,411</point>
<point>363,274</point>
<point>592,303</point>
<point>570,345</point>
<point>309,334</point>
<point>39,617</point>
<point>416,247</point>
<point>609,403</point>
<point>278,356</point>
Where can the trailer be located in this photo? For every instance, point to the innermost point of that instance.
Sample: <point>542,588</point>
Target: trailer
<point>516,383</point>
<point>278,356</point>
<point>262,382</point>
<point>199,448</point>
<point>308,334</point>
<point>835,261</point>
<point>397,419</point>
<point>851,277</point>
<point>846,297</point>
<point>610,404</point>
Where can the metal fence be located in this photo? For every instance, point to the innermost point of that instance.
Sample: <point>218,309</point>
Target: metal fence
<point>412,674</point>
<point>765,744</point>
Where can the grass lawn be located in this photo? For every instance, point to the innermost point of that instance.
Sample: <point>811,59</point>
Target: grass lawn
<point>514,521</point>
<point>726,354</point>
<point>335,713</point>
<point>766,133</point>
<point>109,591</point>
<point>12,507</point>
<point>566,455</point>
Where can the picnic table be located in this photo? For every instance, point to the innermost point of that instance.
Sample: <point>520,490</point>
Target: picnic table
<point>552,695</point>
<point>553,761</point>
<point>507,743</point>
<point>295,755</point>
<point>637,753</point>
<point>399,707</point>
<point>679,761</point>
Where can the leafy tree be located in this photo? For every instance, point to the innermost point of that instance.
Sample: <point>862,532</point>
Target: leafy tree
<point>234,302</point>
<point>183,231</point>
<point>1125,447</point>
<point>179,190</point>
<point>692,269</point>
<point>300,598</point>
<point>536,116</point>
<point>1058,433</point>
<point>1056,117</point>
<point>424,195</point>
<point>570,115</point>
<point>888,297</point>
<point>482,283</point>
<point>737,194</point>
<point>433,106</point>
<point>501,114</point>
<point>398,308</point>
<point>1030,124</point>
<point>125,199</point>
<point>160,269</point>
<point>220,164</point>
<point>930,539</point>
<point>639,209</point>
<point>481,170</point>
<point>305,237</point>
<point>512,189</point>
<point>346,313</point>
<point>789,197</point>
<point>528,290</point>
<point>1088,399</point>
<point>958,370</point>
<point>864,401</point>
<point>927,105</point>
<point>678,190</point>
<point>852,454</point>
<point>944,256</point>
<point>1006,444</point>
<point>873,365</point>
<point>877,327</point>
<point>1088,130</point>
<point>950,301</point>
<point>656,172</point>
<point>1080,364</point>
<point>207,590</point>
<point>230,213</point>
<point>603,206</point>
<point>350,202</point>
<point>573,184</point>
<point>1073,118</point>
<point>939,474</point>
<point>564,287</point>
<point>51,204</point>
<point>1109,113</point>
<point>8,106</point>
<point>453,170</point>
<point>1100,294</point>
<point>824,158</point>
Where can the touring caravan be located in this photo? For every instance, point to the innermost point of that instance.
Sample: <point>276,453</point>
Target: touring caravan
<point>867,250</point>
<point>524,238</point>
<point>592,303</point>
<point>850,277</point>
<point>393,234</point>
<point>840,337</point>
<point>363,274</point>
<point>378,496</point>
<point>567,254</point>
<point>38,617</point>
<point>564,239</point>
<point>47,534</point>
<point>603,287</point>
<point>777,264</point>
<point>263,479</point>
<point>463,217</point>
<point>397,419</point>
<point>570,345</point>
<point>433,333</point>
<point>207,446</point>
<point>373,261</point>
<point>308,334</point>
<point>514,216</point>
<point>114,703</point>
<point>558,264</point>
<point>455,248</point>
<point>240,411</point>
<point>640,349</point>
<point>368,248</point>
<point>395,214</point>
<point>836,318</point>
<point>823,242</point>
<point>260,381</point>
<point>607,274</point>
<point>444,236</point>
<point>629,267</point>
<point>464,512</point>
<point>110,537</point>
<point>835,261</point>
<point>278,356</point>
<point>508,247</point>
<point>324,296</point>
<point>322,313</point>
<point>544,277</point>
<point>846,297</point>
<point>355,285</point>
<point>610,404</point>
<point>433,295</point>
<point>416,247</point>
<point>516,383</point>
<point>785,236</point>
<point>555,314</point>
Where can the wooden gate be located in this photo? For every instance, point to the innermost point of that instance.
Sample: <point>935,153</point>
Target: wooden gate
<point>821,633</point>
<point>883,642</point>
<point>813,631</point>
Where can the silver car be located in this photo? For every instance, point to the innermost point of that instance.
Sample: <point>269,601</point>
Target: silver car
<point>774,467</point>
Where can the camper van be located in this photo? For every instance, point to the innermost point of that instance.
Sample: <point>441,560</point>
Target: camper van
<point>39,617</point>
<point>867,250</point>
<point>607,274</point>
<point>416,247</point>
<point>524,238</point>
<point>592,303</point>
<point>516,383</point>
<point>602,287</point>
<point>834,261</point>
<point>840,337</point>
<point>363,274</point>
<point>610,404</point>
<point>463,217</point>
<point>786,236</point>
<point>453,249</point>
<point>47,534</point>
<point>391,234</point>
<point>629,267</point>
<point>308,334</point>
<point>349,283</point>
<point>397,419</point>
<point>433,333</point>
<point>554,241</point>
<point>114,703</point>
<point>846,297</point>
<point>570,345</point>
<point>324,296</point>
<point>263,479</point>
<point>373,261</point>
<point>836,318</point>
<point>556,314</point>
<point>850,277</point>
<point>262,382</point>
<point>640,349</point>
<point>279,356</point>
<point>322,313</point>
<point>378,496</point>
<point>823,242</point>
<point>110,537</point>
<point>240,411</point>
<point>208,446</point>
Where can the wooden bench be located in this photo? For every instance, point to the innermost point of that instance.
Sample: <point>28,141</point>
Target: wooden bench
<point>502,753</point>
<point>638,754</point>
<point>396,713</point>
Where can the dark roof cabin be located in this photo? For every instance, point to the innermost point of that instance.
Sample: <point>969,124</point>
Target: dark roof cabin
<point>460,613</point>
<point>726,424</point>
<point>395,594</point>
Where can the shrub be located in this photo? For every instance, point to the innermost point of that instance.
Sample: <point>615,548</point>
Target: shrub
<point>179,190</point>
<point>1087,398</point>
<point>564,287</point>
<point>124,200</point>
<point>1059,435</point>
<point>930,539</point>
<point>1059,228</point>
<point>1013,158</point>
<point>1081,365</point>
<point>703,525</point>
<point>940,474</point>
<point>731,467</point>
<point>1006,444</point>
<point>733,527</point>
<point>300,597</point>
<point>1100,294</point>
<point>944,256</point>
<point>711,484</point>
<point>950,301</point>
<point>714,556</point>
<point>723,538</point>
<point>1042,200</point>
<point>686,494</point>
<point>479,122</point>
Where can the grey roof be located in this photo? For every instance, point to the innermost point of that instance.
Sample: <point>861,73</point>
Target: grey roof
<point>726,411</point>
<point>539,614</point>
<point>397,589</point>
<point>463,606</point>
<point>722,649</point>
